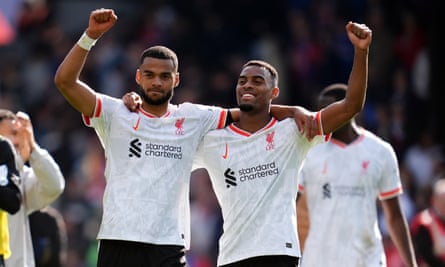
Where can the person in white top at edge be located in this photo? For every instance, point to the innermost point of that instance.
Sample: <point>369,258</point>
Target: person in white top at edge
<point>41,183</point>
<point>253,164</point>
<point>149,153</point>
<point>342,179</point>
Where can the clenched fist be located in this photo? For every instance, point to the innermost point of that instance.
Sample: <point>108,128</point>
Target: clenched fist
<point>101,20</point>
<point>359,35</point>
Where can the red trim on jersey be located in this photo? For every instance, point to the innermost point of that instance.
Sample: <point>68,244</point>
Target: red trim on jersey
<point>148,114</point>
<point>138,122</point>
<point>338,143</point>
<point>328,136</point>
<point>222,119</point>
<point>300,187</point>
<point>240,131</point>
<point>391,193</point>
<point>86,120</point>
<point>318,119</point>
<point>98,109</point>
<point>343,145</point>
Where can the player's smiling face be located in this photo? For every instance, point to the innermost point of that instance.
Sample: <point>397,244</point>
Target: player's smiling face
<point>157,78</point>
<point>254,88</point>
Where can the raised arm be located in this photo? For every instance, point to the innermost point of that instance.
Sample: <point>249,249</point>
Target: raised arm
<point>77,93</point>
<point>338,113</point>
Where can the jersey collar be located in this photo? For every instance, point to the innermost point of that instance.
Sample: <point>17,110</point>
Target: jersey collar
<point>150,115</point>
<point>237,130</point>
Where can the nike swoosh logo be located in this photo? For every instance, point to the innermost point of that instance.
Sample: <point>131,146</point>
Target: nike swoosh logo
<point>226,154</point>
<point>136,127</point>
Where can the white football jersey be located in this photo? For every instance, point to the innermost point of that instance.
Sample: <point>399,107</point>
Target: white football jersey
<point>148,165</point>
<point>342,184</point>
<point>254,177</point>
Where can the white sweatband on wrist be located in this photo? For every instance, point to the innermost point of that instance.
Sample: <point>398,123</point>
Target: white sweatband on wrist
<point>86,42</point>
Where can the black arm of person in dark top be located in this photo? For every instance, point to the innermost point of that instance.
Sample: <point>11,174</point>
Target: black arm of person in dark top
<point>10,196</point>
<point>424,248</point>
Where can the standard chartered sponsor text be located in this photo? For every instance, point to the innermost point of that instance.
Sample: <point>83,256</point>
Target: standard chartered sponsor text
<point>163,150</point>
<point>345,190</point>
<point>259,171</point>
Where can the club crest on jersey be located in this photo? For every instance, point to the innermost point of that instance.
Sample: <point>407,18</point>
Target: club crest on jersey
<point>179,126</point>
<point>270,142</point>
<point>365,165</point>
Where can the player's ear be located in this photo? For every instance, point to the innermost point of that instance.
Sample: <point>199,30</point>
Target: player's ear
<point>138,76</point>
<point>176,79</point>
<point>275,92</point>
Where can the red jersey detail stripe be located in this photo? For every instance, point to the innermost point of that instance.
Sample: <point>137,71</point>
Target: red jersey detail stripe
<point>391,193</point>
<point>343,145</point>
<point>300,187</point>
<point>98,107</point>
<point>145,113</point>
<point>97,110</point>
<point>86,120</point>
<point>318,119</point>
<point>269,125</point>
<point>222,119</point>
<point>338,143</point>
<point>237,130</point>
<point>328,136</point>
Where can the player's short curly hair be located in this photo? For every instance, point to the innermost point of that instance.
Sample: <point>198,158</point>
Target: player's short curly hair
<point>160,52</point>
<point>271,69</point>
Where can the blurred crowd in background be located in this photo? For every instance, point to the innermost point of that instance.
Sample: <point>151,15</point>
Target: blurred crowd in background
<point>304,39</point>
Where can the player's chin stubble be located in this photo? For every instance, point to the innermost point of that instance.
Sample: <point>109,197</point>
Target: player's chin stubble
<point>154,102</point>
<point>245,107</point>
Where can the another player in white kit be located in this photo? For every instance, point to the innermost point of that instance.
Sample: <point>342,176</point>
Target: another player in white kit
<point>253,164</point>
<point>252,175</point>
<point>342,180</point>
